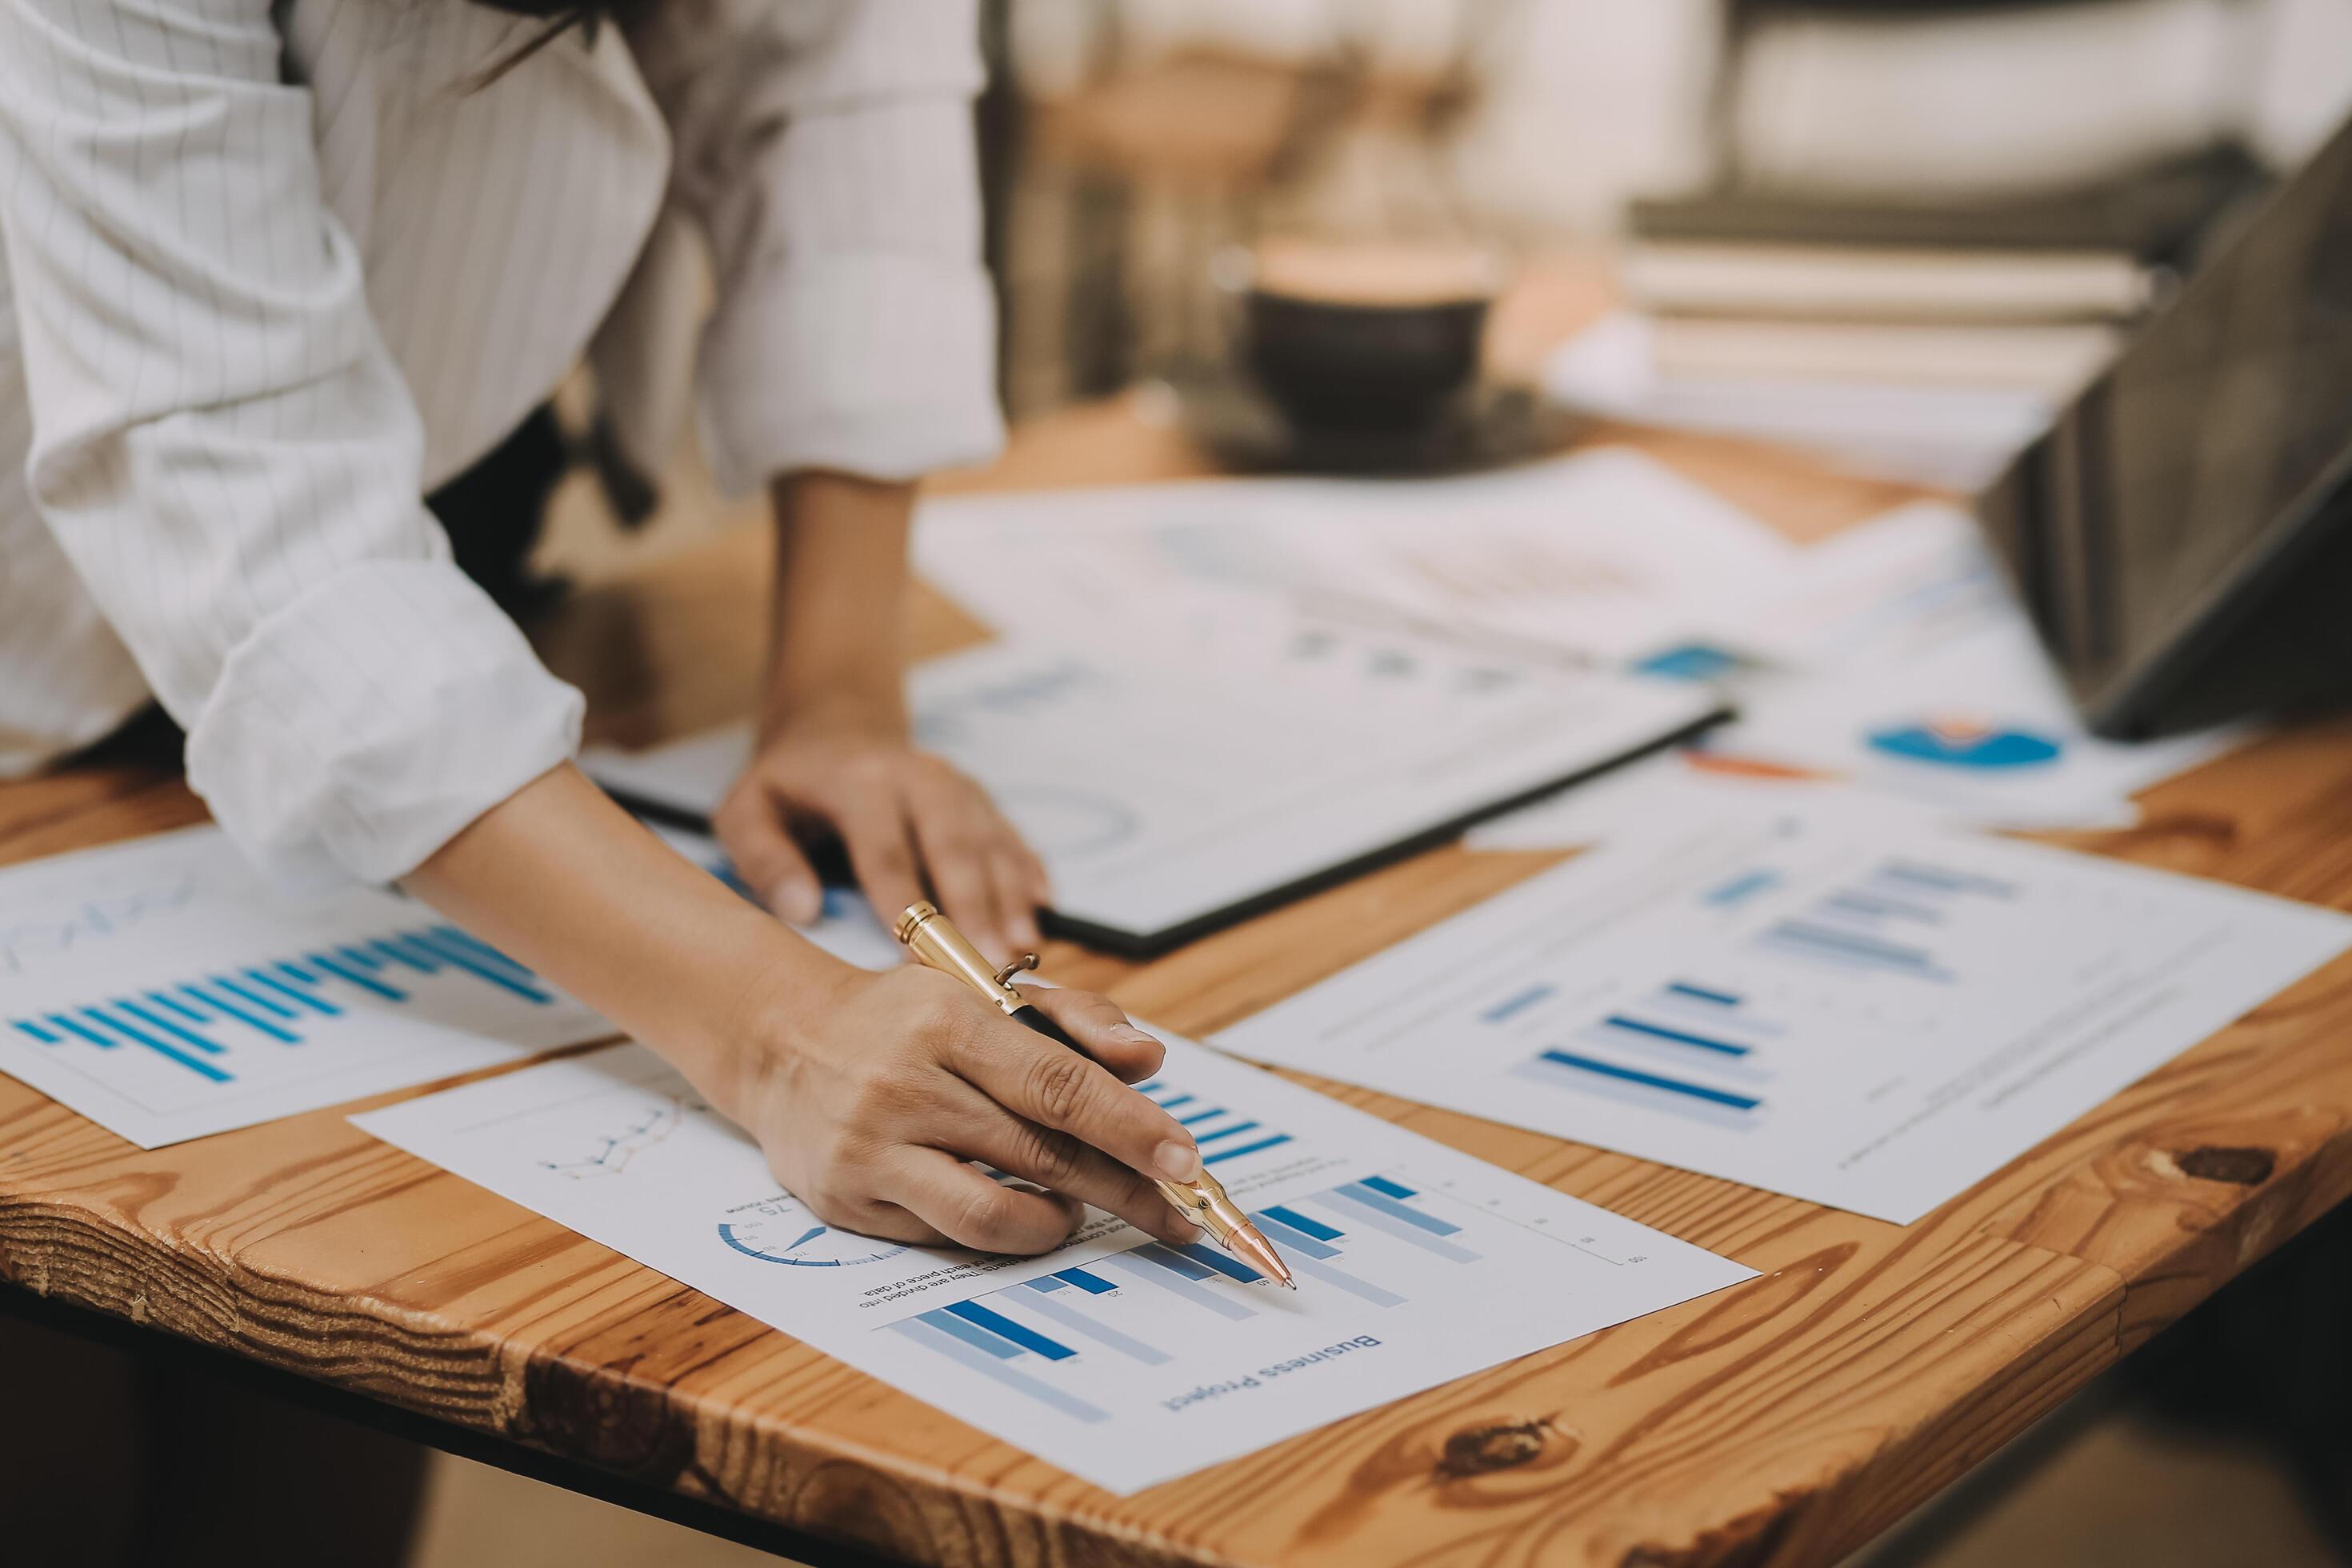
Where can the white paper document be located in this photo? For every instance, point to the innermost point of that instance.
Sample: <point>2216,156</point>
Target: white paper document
<point>1604,555</point>
<point>1666,793</point>
<point>1122,1360</point>
<point>164,990</point>
<point>1906,666</point>
<point>1161,793</point>
<point>1866,1017</point>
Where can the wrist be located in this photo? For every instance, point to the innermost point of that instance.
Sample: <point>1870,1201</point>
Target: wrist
<point>856,703</point>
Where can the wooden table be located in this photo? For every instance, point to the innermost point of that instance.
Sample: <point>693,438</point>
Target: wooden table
<point>1783,1422</point>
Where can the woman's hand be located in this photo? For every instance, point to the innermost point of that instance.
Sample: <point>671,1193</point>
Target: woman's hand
<point>872,1096</point>
<point>869,1093</point>
<point>905,818</point>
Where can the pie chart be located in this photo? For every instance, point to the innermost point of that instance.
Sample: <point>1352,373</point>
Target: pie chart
<point>1966,743</point>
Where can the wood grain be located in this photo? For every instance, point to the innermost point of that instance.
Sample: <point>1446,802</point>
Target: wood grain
<point>1781,1423</point>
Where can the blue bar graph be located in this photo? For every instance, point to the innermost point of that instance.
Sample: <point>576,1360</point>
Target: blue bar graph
<point>1679,1037</point>
<point>1216,1262</point>
<point>1220,1156</point>
<point>927,1332</point>
<point>1672,1093</point>
<point>1162,1269</point>
<point>1290,1237</point>
<point>1035,1336</point>
<point>197,1025</point>
<point>1745,886</point>
<point>1005,1328</point>
<point>1810,939</point>
<point>1684,989</point>
<point>1300,1222</point>
<point>1085,1327</point>
<point>1398,1218</point>
<point>972,1334</point>
<point>1223,1135</point>
<point>1509,1008</point>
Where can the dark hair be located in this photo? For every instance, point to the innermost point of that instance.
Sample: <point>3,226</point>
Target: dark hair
<point>561,16</point>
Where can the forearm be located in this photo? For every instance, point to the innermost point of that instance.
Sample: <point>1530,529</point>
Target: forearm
<point>837,635</point>
<point>570,885</point>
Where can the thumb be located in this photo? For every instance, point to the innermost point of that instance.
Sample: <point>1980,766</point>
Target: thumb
<point>769,864</point>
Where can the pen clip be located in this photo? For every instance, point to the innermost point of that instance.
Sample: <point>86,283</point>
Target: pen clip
<point>1027,961</point>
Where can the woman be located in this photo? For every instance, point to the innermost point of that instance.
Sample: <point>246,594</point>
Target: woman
<point>273,268</point>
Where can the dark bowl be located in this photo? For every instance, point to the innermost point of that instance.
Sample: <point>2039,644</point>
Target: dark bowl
<point>1362,366</point>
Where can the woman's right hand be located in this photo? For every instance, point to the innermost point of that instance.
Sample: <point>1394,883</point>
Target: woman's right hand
<point>869,1093</point>
<point>873,1094</point>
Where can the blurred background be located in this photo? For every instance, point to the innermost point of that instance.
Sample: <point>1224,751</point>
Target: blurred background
<point>1660,183</point>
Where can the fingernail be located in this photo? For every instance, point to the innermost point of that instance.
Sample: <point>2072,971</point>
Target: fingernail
<point>794,902</point>
<point>1128,1035</point>
<point>1177,1162</point>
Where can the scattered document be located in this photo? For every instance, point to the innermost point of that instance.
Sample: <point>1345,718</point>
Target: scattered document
<point>1868,1018</point>
<point>1122,1360</point>
<point>1165,794</point>
<point>164,990</point>
<point>1602,555</point>
<point>1901,663</point>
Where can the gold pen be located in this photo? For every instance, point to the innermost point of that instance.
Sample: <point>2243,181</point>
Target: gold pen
<point>934,941</point>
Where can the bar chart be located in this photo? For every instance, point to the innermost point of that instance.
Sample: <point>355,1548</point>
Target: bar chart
<point>161,987</point>
<point>1225,1137</point>
<point>1885,920</point>
<point>1870,1013</point>
<point>1683,1047</point>
<point>199,1023</point>
<point>1062,1339</point>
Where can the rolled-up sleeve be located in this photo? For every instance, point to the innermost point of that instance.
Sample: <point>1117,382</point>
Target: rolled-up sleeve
<point>228,454</point>
<point>827,147</point>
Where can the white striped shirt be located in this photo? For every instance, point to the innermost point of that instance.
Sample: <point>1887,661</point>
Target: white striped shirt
<point>270,271</point>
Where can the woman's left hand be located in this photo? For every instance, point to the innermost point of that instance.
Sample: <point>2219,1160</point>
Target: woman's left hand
<point>907,818</point>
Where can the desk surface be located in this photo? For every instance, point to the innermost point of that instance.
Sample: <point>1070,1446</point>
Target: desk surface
<point>1785,1421</point>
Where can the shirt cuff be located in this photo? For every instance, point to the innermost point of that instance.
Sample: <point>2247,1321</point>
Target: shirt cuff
<point>362,726</point>
<point>874,364</point>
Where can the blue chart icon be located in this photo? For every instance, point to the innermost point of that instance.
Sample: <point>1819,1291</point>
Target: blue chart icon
<point>197,1023</point>
<point>1035,1339</point>
<point>1958,744</point>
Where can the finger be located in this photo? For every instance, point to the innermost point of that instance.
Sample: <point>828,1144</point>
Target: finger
<point>885,1220</point>
<point>1054,1087</point>
<point>1015,895</point>
<point>1099,1025</point>
<point>1022,884</point>
<point>978,1127</point>
<point>769,862</point>
<point>973,1210</point>
<point>881,854</point>
<point>949,832</point>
